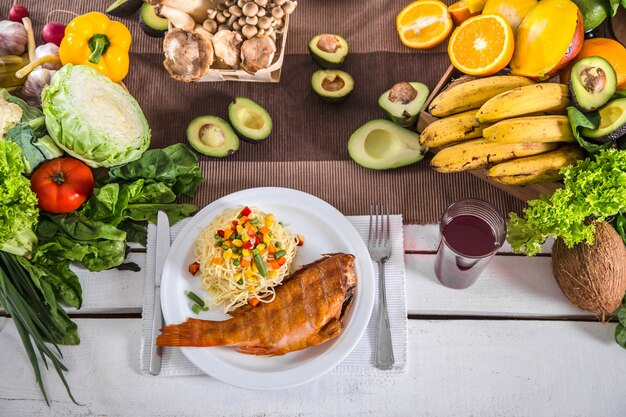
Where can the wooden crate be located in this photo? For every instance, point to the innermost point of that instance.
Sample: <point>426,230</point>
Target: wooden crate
<point>524,193</point>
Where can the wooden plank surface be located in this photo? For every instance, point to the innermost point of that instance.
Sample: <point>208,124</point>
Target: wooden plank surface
<point>455,368</point>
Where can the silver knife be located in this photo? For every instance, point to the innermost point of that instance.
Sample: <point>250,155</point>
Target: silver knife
<point>162,247</point>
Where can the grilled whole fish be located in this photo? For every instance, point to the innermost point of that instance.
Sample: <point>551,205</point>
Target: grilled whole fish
<point>308,310</point>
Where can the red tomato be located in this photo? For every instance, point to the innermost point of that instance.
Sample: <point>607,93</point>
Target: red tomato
<point>62,185</point>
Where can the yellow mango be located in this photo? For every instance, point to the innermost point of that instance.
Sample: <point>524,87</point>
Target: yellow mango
<point>513,11</point>
<point>550,35</point>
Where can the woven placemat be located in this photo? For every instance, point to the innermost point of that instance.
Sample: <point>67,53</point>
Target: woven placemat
<point>308,146</point>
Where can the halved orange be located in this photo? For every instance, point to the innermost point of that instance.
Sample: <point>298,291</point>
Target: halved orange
<point>424,24</point>
<point>460,12</point>
<point>482,45</point>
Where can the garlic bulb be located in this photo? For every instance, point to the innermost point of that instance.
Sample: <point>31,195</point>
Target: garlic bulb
<point>13,38</point>
<point>49,49</point>
<point>36,81</point>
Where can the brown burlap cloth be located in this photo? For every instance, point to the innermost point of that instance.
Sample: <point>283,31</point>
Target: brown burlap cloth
<point>308,146</point>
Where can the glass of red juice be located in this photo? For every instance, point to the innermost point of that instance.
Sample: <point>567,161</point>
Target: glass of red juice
<point>472,231</point>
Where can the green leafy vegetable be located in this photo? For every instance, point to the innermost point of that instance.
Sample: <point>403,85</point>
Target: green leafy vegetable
<point>594,189</point>
<point>18,204</point>
<point>93,118</point>
<point>26,302</point>
<point>589,120</point>
<point>619,223</point>
<point>620,330</point>
<point>30,134</point>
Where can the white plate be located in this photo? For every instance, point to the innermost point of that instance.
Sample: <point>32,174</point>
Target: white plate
<point>325,230</point>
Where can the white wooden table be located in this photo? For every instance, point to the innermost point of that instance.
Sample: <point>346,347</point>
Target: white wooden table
<point>511,345</point>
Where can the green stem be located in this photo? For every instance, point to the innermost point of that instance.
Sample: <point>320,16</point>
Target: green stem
<point>98,44</point>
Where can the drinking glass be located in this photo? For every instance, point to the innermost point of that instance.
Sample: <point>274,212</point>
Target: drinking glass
<point>471,231</point>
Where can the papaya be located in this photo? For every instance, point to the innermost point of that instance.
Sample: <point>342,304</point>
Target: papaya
<point>550,36</point>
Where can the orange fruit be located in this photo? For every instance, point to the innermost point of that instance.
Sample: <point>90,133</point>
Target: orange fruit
<point>424,24</point>
<point>460,12</point>
<point>609,49</point>
<point>482,45</point>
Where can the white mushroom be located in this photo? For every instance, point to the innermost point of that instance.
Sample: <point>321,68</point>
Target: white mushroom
<point>177,18</point>
<point>226,13</point>
<point>220,18</point>
<point>222,27</point>
<point>249,31</point>
<point>278,13</point>
<point>265,22</point>
<point>211,14</point>
<point>257,53</point>
<point>261,12</point>
<point>236,26</point>
<point>210,25</point>
<point>261,3</point>
<point>240,3</point>
<point>235,10</point>
<point>250,9</point>
<point>227,46</point>
<point>242,21</point>
<point>188,54</point>
<point>252,20</point>
<point>289,7</point>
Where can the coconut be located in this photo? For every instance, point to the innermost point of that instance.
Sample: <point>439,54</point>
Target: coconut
<point>593,277</point>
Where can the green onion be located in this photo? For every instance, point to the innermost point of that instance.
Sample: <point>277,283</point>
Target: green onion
<point>255,252</point>
<point>280,254</point>
<point>197,308</point>
<point>259,263</point>
<point>270,234</point>
<point>238,237</point>
<point>254,221</point>
<point>217,236</point>
<point>240,282</point>
<point>194,297</point>
<point>236,262</point>
<point>224,247</point>
<point>277,244</point>
<point>281,223</point>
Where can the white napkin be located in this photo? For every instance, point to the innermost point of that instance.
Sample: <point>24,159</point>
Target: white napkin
<point>359,361</point>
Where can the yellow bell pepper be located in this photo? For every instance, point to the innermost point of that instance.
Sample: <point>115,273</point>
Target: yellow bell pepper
<point>94,40</point>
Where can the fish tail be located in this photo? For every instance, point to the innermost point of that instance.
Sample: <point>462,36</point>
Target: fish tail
<point>193,332</point>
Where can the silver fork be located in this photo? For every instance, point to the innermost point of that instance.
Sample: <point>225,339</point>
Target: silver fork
<point>379,247</point>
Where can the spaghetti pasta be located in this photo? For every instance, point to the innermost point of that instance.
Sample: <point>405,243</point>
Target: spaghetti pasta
<point>243,254</point>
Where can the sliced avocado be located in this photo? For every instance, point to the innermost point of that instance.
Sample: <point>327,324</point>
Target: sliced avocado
<point>212,136</point>
<point>381,144</point>
<point>328,50</point>
<point>123,8</point>
<point>249,119</point>
<point>402,103</point>
<point>151,23</point>
<point>612,122</point>
<point>592,83</point>
<point>332,85</point>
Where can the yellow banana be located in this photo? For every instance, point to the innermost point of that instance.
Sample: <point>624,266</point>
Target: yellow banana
<point>536,169</point>
<point>468,95</point>
<point>525,100</point>
<point>480,153</point>
<point>455,128</point>
<point>531,129</point>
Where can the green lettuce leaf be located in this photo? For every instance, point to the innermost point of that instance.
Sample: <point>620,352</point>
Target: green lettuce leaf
<point>18,204</point>
<point>594,189</point>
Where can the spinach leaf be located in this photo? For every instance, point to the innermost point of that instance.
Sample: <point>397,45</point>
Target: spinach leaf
<point>175,166</point>
<point>620,330</point>
<point>590,120</point>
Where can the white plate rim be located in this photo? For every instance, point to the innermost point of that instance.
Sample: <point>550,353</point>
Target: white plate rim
<point>342,346</point>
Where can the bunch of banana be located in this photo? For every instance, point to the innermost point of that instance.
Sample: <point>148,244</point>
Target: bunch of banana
<point>515,127</point>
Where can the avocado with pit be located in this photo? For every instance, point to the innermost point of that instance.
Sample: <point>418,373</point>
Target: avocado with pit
<point>402,103</point>
<point>151,23</point>
<point>332,85</point>
<point>123,8</point>
<point>328,50</point>
<point>381,144</point>
<point>592,83</point>
<point>612,122</point>
<point>249,119</point>
<point>212,136</point>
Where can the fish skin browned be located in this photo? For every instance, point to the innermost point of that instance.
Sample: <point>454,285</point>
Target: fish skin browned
<point>308,310</point>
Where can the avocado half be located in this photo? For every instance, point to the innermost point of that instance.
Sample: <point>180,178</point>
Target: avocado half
<point>332,85</point>
<point>402,103</point>
<point>592,83</point>
<point>381,144</point>
<point>328,50</point>
<point>249,119</point>
<point>212,136</point>
<point>612,122</point>
<point>151,23</point>
<point>123,8</point>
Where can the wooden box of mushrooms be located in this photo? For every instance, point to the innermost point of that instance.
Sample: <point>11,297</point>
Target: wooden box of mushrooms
<point>225,40</point>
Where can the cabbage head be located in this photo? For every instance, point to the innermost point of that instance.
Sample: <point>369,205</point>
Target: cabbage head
<point>94,119</point>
